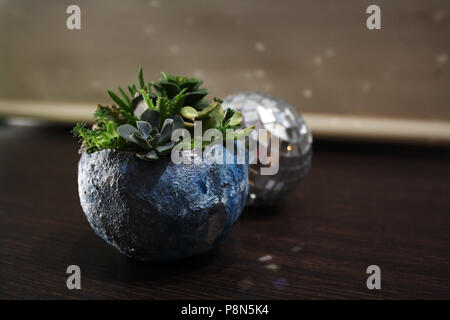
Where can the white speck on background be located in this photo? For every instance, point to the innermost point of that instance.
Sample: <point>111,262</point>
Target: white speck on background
<point>198,73</point>
<point>272,266</point>
<point>155,3</point>
<point>174,49</point>
<point>190,21</point>
<point>95,84</point>
<point>260,73</point>
<point>265,258</point>
<point>318,60</point>
<point>148,30</point>
<point>307,93</point>
<point>439,15</point>
<point>245,284</point>
<point>268,87</point>
<point>296,249</point>
<point>365,86</point>
<point>260,46</point>
<point>330,52</point>
<point>442,58</point>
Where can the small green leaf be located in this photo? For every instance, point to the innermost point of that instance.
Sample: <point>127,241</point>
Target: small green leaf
<point>119,101</point>
<point>111,129</point>
<point>141,78</point>
<point>214,117</point>
<point>202,114</point>
<point>144,128</point>
<point>178,102</point>
<point>125,97</point>
<point>192,98</point>
<point>240,133</point>
<point>126,131</point>
<point>162,106</point>
<point>171,88</point>
<point>235,120</point>
<point>191,84</point>
<point>140,141</point>
<point>131,91</point>
<point>147,100</point>
<point>149,87</point>
<point>151,155</point>
<point>169,77</point>
<point>178,122</point>
<point>152,117</point>
<point>166,131</point>
<point>165,147</point>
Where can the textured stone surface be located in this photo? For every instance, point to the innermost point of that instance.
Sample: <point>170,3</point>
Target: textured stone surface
<point>157,210</point>
<point>295,152</point>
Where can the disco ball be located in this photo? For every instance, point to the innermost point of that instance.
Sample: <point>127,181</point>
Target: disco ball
<point>295,144</point>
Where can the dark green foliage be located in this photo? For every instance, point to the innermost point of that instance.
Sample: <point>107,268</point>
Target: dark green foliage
<point>150,136</point>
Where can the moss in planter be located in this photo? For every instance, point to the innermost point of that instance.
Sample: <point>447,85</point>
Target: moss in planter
<point>159,210</point>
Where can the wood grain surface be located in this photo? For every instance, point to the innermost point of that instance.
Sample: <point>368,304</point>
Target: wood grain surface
<point>360,205</point>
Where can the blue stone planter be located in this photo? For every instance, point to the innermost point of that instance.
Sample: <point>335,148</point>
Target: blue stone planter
<point>158,210</point>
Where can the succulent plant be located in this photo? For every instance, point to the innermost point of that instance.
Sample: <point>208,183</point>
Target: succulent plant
<point>143,121</point>
<point>213,116</point>
<point>149,135</point>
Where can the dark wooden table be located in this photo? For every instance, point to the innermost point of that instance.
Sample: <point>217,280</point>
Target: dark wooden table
<point>360,205</point>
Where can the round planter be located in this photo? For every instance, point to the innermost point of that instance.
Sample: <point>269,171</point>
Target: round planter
<point>158,210</point>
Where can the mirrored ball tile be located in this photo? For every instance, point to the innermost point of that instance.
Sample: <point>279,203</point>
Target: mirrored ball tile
<point>282,120</point>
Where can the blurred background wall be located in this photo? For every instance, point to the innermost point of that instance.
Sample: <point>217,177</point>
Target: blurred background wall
<point>317,55</point>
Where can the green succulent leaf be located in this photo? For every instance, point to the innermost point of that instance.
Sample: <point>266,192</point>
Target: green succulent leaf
<point>152,117</point>
<point>178,102</point>
<point>144,128</point>
<point>131,91</point>
<point>213,117</point>
<point>209,109</point>
<point>139,139</point>
<point>111,129</point>
<point>143,121</point>
<point>151,155</point>
<point>119,101</point>
<point>192,98</point>
<point>171,88</point>
<point>236,119</point>
<point>166,131</point>
<point>191,84</point>
<point>125,97</point>
<point>126,131</point>
<point>169,77</point>
<point>240,133</point>
<point>189,113</point>
<point>148,100</point>
<point>178,122</point>
<point>162,106</point>
<point>165,147</point>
